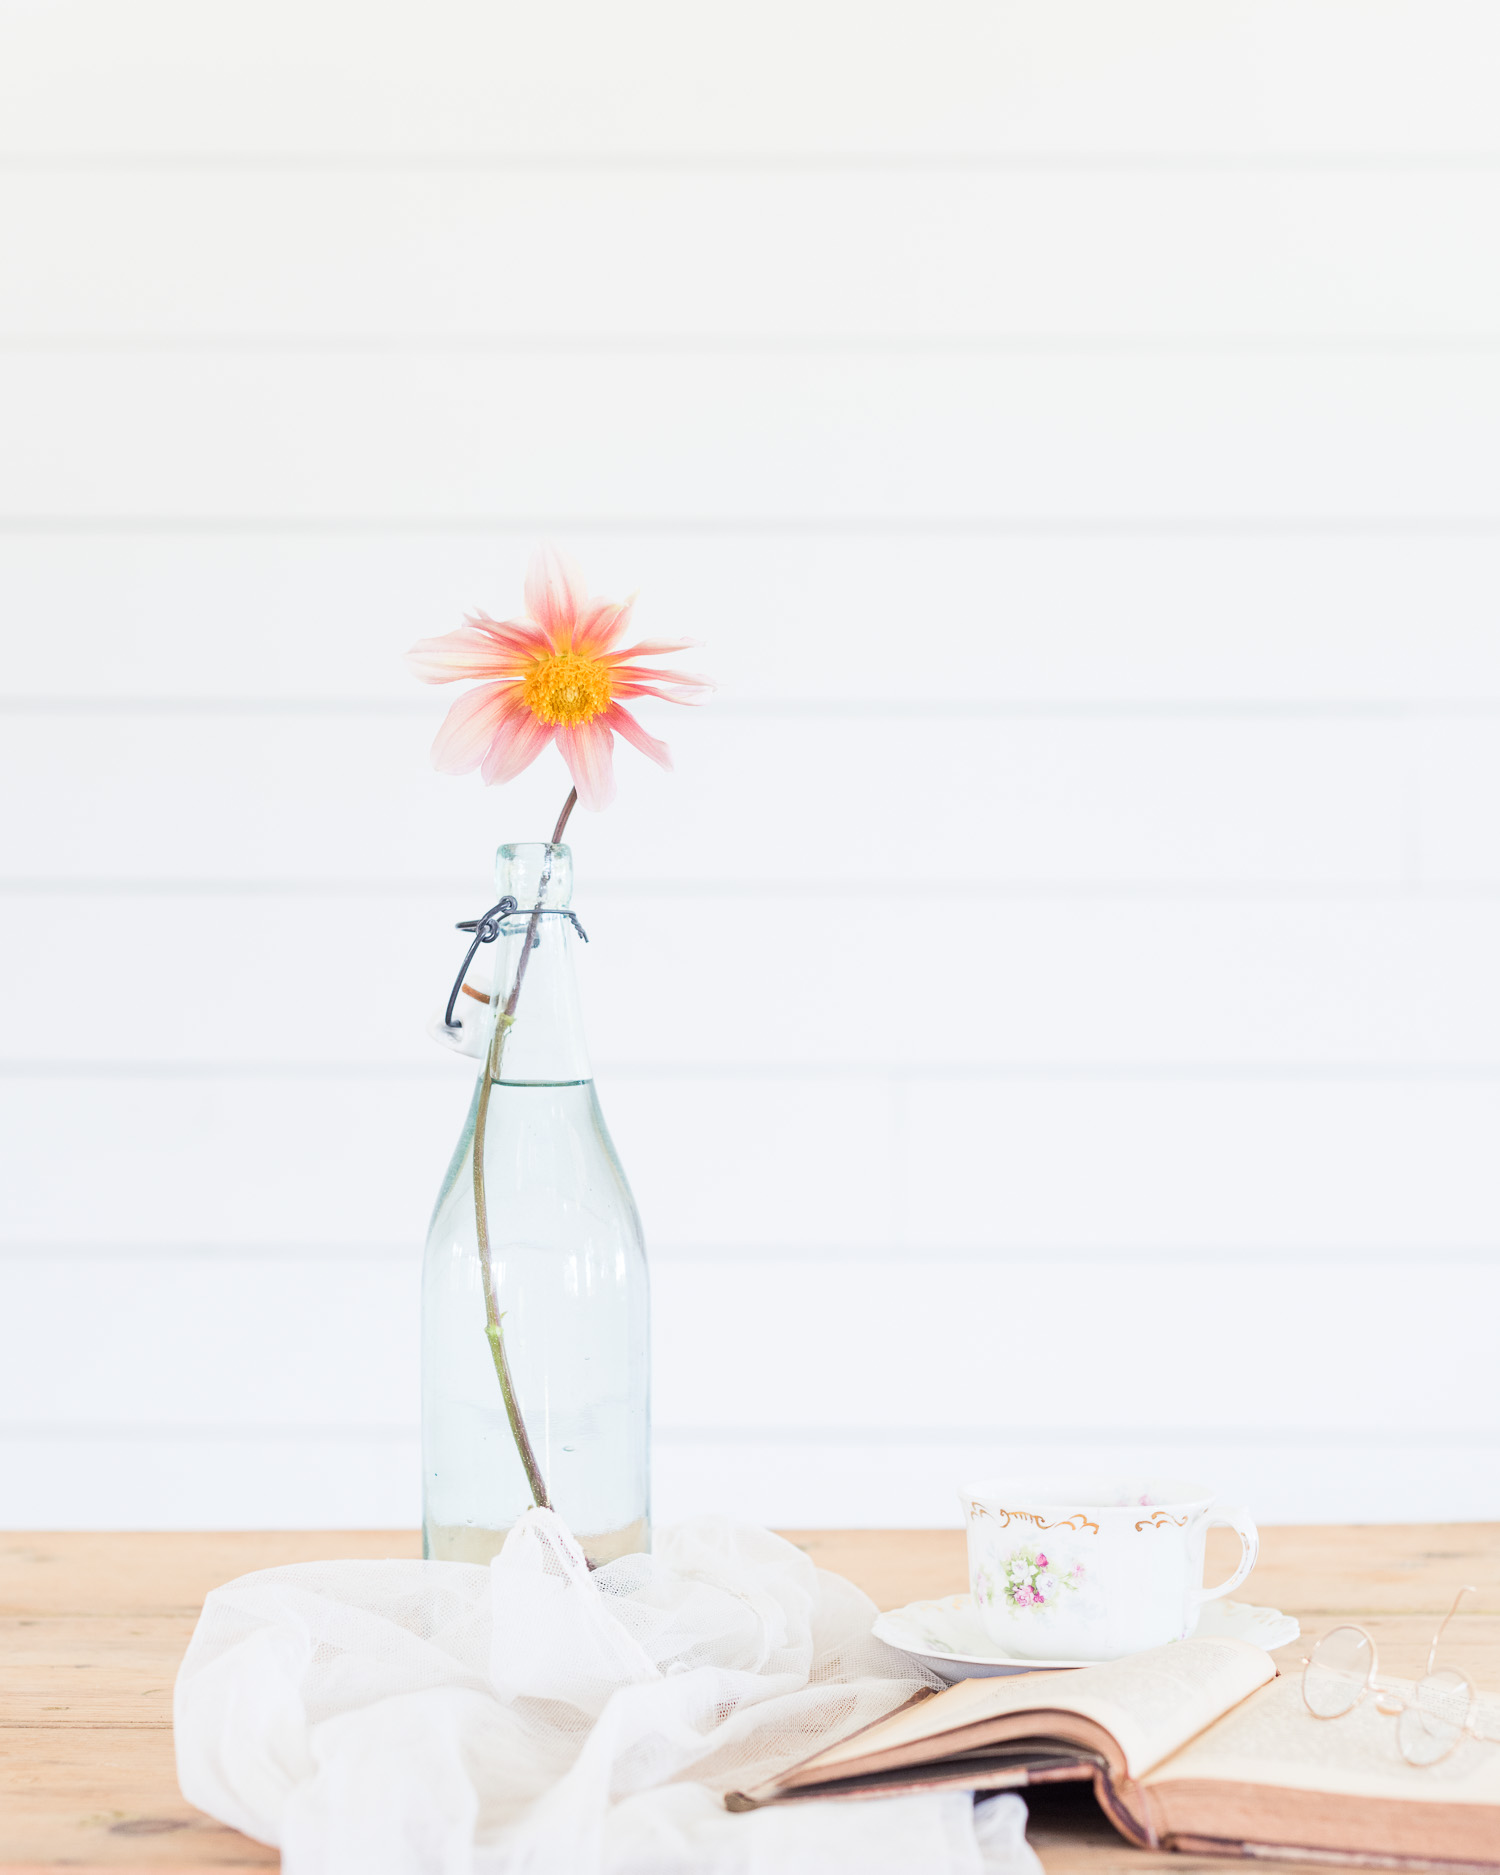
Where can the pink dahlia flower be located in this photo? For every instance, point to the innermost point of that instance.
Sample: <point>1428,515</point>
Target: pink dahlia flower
<point>556,675</point>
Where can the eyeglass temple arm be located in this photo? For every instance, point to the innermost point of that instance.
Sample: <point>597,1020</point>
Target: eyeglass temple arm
<point>1432,1651</point>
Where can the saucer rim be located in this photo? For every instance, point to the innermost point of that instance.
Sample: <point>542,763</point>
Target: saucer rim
<point>998,1658</point>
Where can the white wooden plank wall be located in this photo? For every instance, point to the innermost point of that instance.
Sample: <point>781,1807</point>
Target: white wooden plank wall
<point>1050,1016</point>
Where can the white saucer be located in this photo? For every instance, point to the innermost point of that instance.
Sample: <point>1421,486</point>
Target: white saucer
<point>948,1637</point>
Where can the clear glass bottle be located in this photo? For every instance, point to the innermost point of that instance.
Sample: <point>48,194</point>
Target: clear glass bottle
<point>567,1270</point>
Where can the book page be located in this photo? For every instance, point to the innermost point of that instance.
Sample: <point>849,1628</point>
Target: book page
<point>1150,1703</point>
<point>1153,1703</point>
<point>1273,1739</point>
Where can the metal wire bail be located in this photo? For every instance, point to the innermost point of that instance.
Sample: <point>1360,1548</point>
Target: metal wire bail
<point>487,927</point>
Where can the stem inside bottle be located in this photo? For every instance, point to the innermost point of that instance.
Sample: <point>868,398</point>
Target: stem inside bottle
<point>536,1236</point>
<point>493,1326</point>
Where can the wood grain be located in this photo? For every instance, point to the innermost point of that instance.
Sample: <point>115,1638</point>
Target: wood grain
<point>891,1566</point>
<point>93,1625</point>
<point>95,1670</point>
<point>154,1572</point>
<point>1367,1569</point>
<point>107,1796</point>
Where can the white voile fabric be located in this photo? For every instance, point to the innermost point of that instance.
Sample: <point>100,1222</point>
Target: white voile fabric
<point>434,1718</point>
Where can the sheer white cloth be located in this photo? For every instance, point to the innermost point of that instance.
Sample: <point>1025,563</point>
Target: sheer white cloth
<point>409,1718</point>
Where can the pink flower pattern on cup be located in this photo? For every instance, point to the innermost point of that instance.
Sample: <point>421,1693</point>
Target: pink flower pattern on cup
<point>1029,1578</point>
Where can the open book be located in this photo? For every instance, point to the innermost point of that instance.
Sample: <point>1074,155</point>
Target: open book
<point>1197,1746</point>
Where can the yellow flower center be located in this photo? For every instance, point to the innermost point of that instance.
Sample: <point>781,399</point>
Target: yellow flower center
<point>566,688</point>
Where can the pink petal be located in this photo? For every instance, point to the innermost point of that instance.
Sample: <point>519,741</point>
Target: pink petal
<point>464,653</point>
<point>555,595</point>
<point>519,740</point>
<point>469,727</point>
<point>653,673</point>
<point>588,749</point>
<point>652,648</point>
<point>515,634</point>
<point>624,724</point>
<point>696,693</point>
<point>599,625</point>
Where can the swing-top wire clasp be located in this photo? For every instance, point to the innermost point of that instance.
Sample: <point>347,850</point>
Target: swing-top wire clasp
<point>486,928</point>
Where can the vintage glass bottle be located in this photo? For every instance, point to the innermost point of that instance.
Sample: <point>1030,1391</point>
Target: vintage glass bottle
<point>567,1265</point>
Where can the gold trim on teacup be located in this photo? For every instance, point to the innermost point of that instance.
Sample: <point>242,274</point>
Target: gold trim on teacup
<point>1005,1518</point>
<point>1157,1519</point>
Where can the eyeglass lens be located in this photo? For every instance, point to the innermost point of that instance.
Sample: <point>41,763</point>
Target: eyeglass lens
<point>1433,1724</point>
<point>1335,1676</point>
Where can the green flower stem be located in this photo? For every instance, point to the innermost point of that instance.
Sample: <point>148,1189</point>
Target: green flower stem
<point>494,1333</point>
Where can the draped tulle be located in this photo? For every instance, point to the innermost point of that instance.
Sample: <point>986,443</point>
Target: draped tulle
<point>406,1718</point>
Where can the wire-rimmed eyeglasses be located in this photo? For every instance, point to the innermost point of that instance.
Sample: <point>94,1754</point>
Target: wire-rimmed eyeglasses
<point>1430,1723</point>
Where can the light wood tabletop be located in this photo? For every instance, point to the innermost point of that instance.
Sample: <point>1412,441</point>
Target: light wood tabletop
<point>92,1627</point>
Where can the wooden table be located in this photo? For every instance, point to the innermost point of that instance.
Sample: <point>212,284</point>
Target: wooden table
<point>92,1628</point>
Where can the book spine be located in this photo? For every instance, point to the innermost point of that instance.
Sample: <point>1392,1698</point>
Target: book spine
<point>1330,1858</point>
<point>1135,1828</point>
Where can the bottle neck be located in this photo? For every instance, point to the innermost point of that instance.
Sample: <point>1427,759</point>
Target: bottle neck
<point>534,992</point>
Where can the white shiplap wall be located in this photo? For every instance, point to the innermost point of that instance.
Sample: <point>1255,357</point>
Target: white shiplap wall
<point>1050,1016</point>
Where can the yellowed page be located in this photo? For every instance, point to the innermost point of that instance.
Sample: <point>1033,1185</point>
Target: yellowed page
<point>1151,1703</point>
<point>1273,1739</point>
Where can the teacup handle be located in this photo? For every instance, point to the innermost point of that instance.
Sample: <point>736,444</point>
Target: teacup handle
<point>1240,1521</point>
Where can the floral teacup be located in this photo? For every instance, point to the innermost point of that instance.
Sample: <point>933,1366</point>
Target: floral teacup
<point>1093,1570</point>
